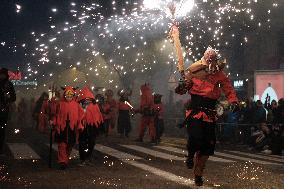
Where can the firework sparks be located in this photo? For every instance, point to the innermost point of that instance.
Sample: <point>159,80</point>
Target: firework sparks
<point>132,40</point>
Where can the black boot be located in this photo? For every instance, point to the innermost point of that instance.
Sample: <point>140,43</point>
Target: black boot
<point>198,180</point>
<point>189,163</point>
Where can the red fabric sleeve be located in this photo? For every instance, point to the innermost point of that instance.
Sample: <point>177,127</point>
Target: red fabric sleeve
<point>228,89</point>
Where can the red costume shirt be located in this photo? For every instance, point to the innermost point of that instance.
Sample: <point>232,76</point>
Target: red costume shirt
<point>213,86</point>
<point>69,109</point>
<point>93,115</point>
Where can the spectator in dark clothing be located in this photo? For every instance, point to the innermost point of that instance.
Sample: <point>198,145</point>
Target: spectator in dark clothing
<point>277,139</point>
<point>272,112</point>
<point>246,114</point>
<point>7,96</point>
<point>279,118</point>
<point>263,140</point>
<point>259,113</point>
<point>230,128</point>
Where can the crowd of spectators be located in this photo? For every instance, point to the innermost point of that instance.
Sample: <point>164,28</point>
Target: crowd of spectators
<point>258,125</point>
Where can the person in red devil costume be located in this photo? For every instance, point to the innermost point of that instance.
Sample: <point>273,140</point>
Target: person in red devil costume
<point>124,110</point>
<point>113,107</point>
<point>147,111</point>
<point>159,110</point>
<point>204,81</point>
<point>66,125</point>
<point>91,122</point>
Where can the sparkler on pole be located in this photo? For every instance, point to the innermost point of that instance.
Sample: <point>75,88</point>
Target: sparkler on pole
<point>174,36</point>
<point>132,111</point>
<point>128,104</point>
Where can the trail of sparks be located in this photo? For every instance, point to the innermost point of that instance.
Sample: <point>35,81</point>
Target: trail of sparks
<point>133,39</point>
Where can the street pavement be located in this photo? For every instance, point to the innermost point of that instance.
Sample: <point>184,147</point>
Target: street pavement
<point>123,163</point>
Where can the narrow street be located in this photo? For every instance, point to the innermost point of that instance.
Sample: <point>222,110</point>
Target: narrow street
<point>123,163</point>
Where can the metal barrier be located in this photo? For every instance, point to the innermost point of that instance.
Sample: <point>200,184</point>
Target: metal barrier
<point>225,132</point>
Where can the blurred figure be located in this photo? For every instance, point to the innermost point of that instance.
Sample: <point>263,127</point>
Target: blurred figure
<point>246,114</point>
<point>53,105</point>
<point>31,107</point>
<point>272,111</point>
<point>113,108</point>
<point>38,106</point>
<point>261,137</point>
<point>22,113</point>
<point>231,129</point>
<point>105,109</point>
<point>7,96</point>
<point>259,115</point>
<point>43,115</point>
<point>277,141</point>
<point>147,111</point>
<point>91,121</point>
<point>280,112</point>
<point>159,110</point>
<point>123,122</point>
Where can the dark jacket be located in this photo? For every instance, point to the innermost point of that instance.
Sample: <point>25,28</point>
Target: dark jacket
<point>7,92</point>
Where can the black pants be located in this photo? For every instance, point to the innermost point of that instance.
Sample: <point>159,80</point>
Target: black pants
<point>3,125</point>
<point>201,137</point>
<point>87,141</point>
<point>159,125</point>
<point>123,122</point>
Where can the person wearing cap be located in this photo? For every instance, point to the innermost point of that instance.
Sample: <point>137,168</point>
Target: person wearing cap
<point>67,123</point>
<point>7,96</point>
<point>204,81</point>
<point>91,121</point>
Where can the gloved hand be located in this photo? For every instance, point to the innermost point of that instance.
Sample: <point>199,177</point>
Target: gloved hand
<point>181,88</point>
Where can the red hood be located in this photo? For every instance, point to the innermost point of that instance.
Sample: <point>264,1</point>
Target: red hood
<point>85,93</point>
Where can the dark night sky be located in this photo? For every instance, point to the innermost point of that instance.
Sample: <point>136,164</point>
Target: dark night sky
<point>34,16</point>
